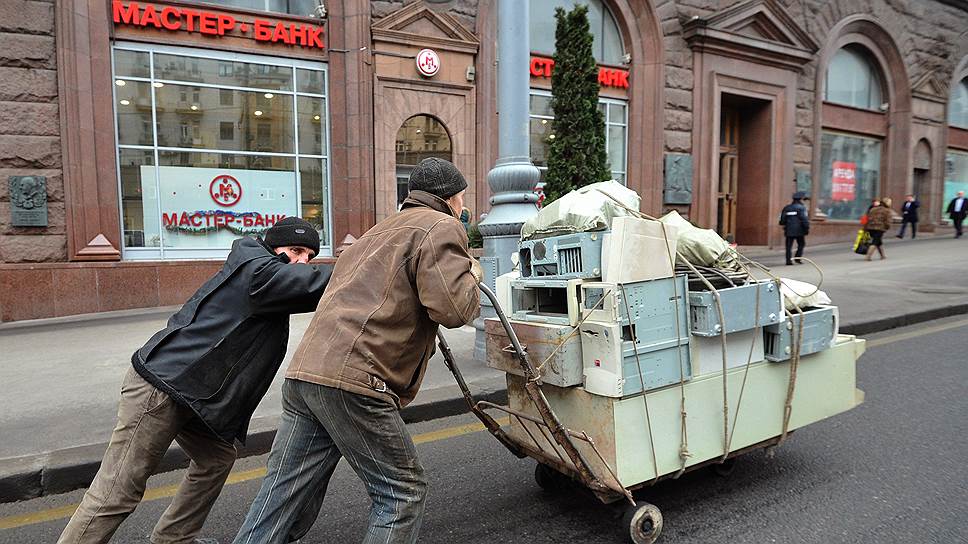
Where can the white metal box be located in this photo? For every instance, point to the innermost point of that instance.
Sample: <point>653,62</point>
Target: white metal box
<point>541,341</point>
<point>742,346</point>
<point>745,307</point>
<point>820,329</point>
<point>616,367</point>
<point>546,301</point>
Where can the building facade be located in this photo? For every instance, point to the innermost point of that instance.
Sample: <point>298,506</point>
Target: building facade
<point>158,131</point>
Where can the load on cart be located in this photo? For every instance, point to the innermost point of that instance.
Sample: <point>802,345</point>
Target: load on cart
<point>638,349</point>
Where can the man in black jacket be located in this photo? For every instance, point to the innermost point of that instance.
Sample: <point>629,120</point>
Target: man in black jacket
<point>909,214</point>
<point>957,209</point>
<point>197,382</point>
<point>796,225</point>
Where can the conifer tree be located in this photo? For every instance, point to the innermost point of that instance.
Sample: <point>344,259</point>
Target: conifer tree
<point>577,141</point>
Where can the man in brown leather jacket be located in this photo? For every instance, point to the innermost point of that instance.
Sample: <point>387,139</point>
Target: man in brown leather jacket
<point>363,358</point>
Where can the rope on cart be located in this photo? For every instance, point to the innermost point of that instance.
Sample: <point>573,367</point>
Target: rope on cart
<point>727,433</point>
<point>645,397</point>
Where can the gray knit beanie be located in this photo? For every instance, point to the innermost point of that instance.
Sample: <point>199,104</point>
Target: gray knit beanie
<point>437,177</point>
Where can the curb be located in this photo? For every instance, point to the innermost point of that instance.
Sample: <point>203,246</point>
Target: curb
<point>64,470</point>
<point>60,471</point>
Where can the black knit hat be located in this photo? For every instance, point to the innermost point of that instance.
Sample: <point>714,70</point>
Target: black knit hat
<point>293,231</point>
<point>437,177</point>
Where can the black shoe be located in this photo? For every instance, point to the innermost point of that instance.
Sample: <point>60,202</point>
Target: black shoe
<point>899,236</point>
<point>789,263</point>
<point>797,261</point>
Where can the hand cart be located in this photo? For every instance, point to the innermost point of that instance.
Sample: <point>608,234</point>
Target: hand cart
<point>563,453</point>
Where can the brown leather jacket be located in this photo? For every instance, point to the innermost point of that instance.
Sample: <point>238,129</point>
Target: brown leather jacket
<point>879,218</point>
<point>374,329</point>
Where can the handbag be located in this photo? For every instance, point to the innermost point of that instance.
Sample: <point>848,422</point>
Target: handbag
<point>864,219</point>
<point>862,243</point>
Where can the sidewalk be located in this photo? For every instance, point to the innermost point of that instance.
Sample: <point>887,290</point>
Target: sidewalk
<point>61,378</point>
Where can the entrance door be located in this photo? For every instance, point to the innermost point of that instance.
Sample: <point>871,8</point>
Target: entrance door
<point>728,173</point>
<point>419,138</point>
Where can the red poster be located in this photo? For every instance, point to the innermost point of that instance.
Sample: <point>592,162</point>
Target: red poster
<point>844,181</point>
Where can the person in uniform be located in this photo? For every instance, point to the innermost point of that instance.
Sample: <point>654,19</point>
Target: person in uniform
<point>796,226</point>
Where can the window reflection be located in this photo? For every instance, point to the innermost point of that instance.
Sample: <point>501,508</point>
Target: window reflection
<point>208,149</point>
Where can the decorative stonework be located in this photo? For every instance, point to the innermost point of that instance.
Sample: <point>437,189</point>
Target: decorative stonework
<point>757,30</point>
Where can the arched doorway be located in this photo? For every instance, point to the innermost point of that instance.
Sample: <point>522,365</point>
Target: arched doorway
<point>419,137</point>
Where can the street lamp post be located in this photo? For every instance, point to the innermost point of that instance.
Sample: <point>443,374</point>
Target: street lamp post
<point>513,178</point>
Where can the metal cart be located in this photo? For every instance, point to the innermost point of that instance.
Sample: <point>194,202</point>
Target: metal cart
<point>564,453</point>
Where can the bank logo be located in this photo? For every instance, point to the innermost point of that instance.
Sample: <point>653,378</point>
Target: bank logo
<point>225,190</point>
<point>428,63</point>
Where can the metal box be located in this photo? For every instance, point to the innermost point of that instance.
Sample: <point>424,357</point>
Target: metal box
<point>540,340</point>
<point>546,301</point>
<point>820,327</point>
<point>615,367</point>
<point>653,304</point>
<point>741,347</point>
<point>576,255</point>
<point>741,309</point>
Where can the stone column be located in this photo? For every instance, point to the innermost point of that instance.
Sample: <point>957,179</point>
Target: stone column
<point>513,178</point>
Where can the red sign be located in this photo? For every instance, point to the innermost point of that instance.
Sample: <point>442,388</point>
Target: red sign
<point>213,220</point>
<point>844,181</point>
<point>428,63</point>
<point>607,77</point>
<point>215,24</point>
<point>225,190</point>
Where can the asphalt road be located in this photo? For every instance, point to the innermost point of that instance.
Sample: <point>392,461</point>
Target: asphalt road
<point>889,471</point>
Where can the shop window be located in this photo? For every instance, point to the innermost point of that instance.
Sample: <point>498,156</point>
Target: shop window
<point>607,39</point>
<point>850,168</point>
<point>214,148</point>
<point>955,178</point>
<point>615,113</point>
<point>419,138</point>
<point>854,80</point>
<point>958,107</point>
<point>304,8</point>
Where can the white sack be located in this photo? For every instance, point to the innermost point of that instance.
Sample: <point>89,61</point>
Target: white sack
<point>701,247</point>
<point>582,210</point>
<point>800,294</point>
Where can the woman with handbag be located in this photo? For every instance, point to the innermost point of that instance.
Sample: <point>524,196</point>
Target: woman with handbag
<point>878,222</point>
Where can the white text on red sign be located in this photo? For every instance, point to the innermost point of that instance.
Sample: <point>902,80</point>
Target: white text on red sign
<point>607,77</point>
<point>215,24</point>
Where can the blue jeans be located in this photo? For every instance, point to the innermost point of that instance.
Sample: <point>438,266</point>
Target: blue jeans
<point>319,425</point>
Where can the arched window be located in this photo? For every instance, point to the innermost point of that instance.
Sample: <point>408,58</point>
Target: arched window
<point>420,137</point>
<point>854,80</point>
<point>958,108</point>
<point>607,45</point>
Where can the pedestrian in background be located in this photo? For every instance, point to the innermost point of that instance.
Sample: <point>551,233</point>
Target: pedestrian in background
<point>909,214</point>
<point>197,382</point>
<point>879,222</point>
<point>957,209</point>
<point>796,226</point>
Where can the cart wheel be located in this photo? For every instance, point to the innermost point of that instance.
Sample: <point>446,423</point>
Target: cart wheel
<point>725,468</point>
<point>644,522</point>
<point>549,479</point>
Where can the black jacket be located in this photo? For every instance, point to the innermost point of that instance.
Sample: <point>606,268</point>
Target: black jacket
<point>220,351</point>
<point>956,215</point>
<point>909,211</point>
<point>794,220</point>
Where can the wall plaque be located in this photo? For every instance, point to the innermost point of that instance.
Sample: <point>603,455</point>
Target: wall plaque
<point>678,178</point>
<point>28,201</point>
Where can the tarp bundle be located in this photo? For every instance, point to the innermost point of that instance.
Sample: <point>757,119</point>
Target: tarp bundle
<point>588,208</point>
<point>701,247</point>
